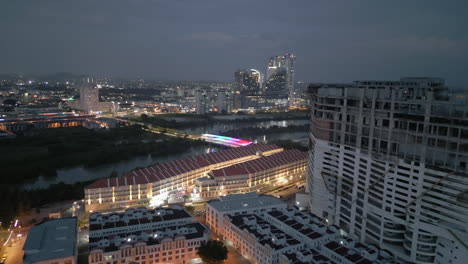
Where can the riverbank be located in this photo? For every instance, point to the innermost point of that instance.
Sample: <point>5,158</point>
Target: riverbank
<point>45,151</point>
<point>185,121</point>
<point>252,131</point>
<point>17,202</point>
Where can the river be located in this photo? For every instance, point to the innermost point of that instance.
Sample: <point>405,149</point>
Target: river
<point>80,173</point>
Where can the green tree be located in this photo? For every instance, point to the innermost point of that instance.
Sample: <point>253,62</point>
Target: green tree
<point>190,209</point>
<point>9,101</point>
<point>213,252</point>
<point>144,117</point>
<point>185,197</point>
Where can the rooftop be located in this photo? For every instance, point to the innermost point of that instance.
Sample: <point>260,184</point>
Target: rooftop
<point>265,233</point>
<point>304,222</point>
<point>244,201</point>
<point>134,217</point>
<point>169,169</point>
<point>308,256</point>
<point>51,239</point>
<point>112,242</point>
<point>261,164</point>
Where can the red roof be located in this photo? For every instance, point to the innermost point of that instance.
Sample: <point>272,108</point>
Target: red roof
<point>261,164</point>
<point>169,169</point>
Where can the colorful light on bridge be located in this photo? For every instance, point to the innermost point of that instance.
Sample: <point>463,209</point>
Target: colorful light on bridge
<point>227,141</point>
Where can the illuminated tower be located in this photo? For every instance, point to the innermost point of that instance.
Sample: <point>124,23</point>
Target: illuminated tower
<point>247,88</point>
<point>279,87</point>
<point>201,102</point>
<point>89,95</point>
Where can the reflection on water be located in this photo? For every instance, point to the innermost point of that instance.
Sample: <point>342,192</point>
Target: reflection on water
<point>79,174</point>
<point>219,128</point>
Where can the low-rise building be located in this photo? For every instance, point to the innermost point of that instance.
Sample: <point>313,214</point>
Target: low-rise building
<point>265,230</point>
<point>291,236</point>
<point>52,242</point>
<point>308,228</point>
<point>152,185</point>
<point>258,240</point>
<point>253,175</point>
<point>236,204</point>
<point>161,235</point>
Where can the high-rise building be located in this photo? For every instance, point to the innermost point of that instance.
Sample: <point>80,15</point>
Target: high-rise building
<point>222,102</point>
<point>201,102</point>
<point>247,88</point>
<point>388,165</point>
<point>279,86</point>
<point>300,95</point>
<point>89,99</point>
<point>89,95</point>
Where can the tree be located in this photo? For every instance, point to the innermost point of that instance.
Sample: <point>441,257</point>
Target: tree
<point>9,102</point>
<point>213,252</point>
<point>190,209</point>
<point>185,197</point>
<point>144,117</point>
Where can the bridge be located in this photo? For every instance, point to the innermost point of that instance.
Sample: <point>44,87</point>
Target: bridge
<point>225,141</point>
<point>214,139</point>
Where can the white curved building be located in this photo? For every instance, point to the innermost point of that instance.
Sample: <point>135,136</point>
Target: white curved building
<point>388,165</point>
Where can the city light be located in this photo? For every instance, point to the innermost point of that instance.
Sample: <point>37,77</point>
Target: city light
<point>158,200</point>
<point>227,141</point>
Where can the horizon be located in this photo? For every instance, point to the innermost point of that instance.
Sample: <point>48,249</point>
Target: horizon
<point>180,41</point>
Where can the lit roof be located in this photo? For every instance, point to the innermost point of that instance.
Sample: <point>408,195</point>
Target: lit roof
<point>169,169</point>
<point>262,164</point>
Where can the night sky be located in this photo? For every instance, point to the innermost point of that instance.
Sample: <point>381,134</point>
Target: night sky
<point>334,41</point>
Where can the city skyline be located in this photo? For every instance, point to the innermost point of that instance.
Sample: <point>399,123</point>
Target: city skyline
<point>179,41</point>
<point>235,132</point>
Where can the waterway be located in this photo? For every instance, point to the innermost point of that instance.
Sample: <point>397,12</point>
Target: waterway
<point>218,128</point>
<point>80,173</point>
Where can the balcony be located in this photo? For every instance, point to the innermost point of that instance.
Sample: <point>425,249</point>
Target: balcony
<point>393,237</point>
<point>427,240</point>
<point>426,251</point>
<point>395,228</point>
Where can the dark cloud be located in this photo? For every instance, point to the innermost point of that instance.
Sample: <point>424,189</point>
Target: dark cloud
<point>333,40</point>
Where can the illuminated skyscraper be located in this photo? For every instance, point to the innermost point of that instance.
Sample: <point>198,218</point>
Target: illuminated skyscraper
<point>222,102</point>
<point>247,88</point>
<point>201,102</point>
<point>89,95</point>
<point>279,87</point>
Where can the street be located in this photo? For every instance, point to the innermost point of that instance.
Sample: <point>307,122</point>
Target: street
<point>13,250</point>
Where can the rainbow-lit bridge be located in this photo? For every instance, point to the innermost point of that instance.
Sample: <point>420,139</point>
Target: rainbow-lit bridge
<point>225,141</point>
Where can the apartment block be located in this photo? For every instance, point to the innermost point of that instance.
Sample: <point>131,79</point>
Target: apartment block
<point>161,235</point>
<point>236,204</point>
<point>388,165</point>
<point>254,175</point>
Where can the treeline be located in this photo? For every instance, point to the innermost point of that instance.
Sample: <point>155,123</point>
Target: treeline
<point>253,131</point>
<point>16,201</point>
<point>289,144</point>
<point>42,152</point>
<point>203,120</point>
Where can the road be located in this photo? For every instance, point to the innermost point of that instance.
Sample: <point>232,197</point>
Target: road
<point>14,249</point>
